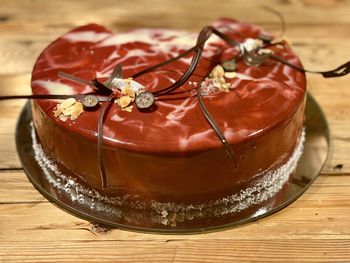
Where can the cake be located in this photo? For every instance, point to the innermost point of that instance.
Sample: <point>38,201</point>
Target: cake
<point>169,159</point>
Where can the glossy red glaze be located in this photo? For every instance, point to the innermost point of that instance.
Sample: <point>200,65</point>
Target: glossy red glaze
<point>171,154</point>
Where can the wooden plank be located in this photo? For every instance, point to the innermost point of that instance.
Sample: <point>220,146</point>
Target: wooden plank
<point>321,213</point>
<point>302,11</point>
<point>333,96</point>
<point>16,188</point>
<point>177,251</point>
<point>8,153</point>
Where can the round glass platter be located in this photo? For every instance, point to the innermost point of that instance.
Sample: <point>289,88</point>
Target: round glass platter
<point>316,147</point>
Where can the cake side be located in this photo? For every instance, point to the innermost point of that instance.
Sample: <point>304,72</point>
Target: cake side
<point>250,201</point>
<point>175,177</point>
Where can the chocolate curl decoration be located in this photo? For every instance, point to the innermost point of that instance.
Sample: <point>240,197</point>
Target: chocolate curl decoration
<point>65,75</point>
<point>59,96</point>
<point>95,84</point>
<point>117,73</point>
<point>216,128</point>
<point>203,36</point>
<point>253,59</point>
<point>280,16</point>
<point>338,72</point>
<point>100,154</point>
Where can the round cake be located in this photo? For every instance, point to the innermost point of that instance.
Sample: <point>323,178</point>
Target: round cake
<point>169,158</point>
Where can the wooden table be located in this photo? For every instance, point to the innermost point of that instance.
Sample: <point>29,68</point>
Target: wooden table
<point>314,228</point>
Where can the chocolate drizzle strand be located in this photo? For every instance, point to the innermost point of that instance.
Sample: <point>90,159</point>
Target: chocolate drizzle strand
<point>337,72</point>
<point>94,83</point>
<point>216,128</point>
<point>281,18</point>
<point>117,73</point>
<point>100,152</point>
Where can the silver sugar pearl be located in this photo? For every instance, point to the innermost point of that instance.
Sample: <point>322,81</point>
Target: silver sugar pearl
<point>144,100</point>
<point>90,101</point>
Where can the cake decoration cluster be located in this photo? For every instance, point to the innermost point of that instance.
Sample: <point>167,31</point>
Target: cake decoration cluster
<point>217,78</point>
<point>255,51</point>
<point>125,92</point>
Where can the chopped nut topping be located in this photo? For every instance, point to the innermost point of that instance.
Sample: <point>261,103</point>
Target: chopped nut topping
<point>128,108</point>
<point>224,87</point>
<point>124,101</point>
<point>217,72</point>
<point>217,78</point>
<point>63,117</point>
<point>68,108</point>
<point>230,75</point>
<point>128,91</point>
<point>221,80</point>
<point>78,109</point>
<point>265,51</point>
<point>120,84</point>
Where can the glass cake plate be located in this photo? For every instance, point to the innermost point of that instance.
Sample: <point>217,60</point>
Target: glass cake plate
<point>122,216</point>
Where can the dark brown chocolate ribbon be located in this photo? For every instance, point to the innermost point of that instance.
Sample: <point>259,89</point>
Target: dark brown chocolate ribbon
<point>337,72</point>
<point>100,151</point>
<point>216,128</point>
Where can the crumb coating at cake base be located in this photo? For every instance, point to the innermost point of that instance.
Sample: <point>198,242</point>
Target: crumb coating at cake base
<point>171,154</point>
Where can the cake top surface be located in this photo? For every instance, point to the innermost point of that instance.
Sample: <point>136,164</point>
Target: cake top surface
<point>258,97</point>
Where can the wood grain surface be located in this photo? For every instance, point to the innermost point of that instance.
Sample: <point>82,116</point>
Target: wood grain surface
<point>315,228</point>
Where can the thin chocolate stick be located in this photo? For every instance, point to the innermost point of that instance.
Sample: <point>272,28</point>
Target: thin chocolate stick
<point>100,153</point>
<point>117,73</point>
<point>216,128</point>
<point>65,75</point>
<point>340,71</point>
<point>281,18</point>
<point>203,36</point>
